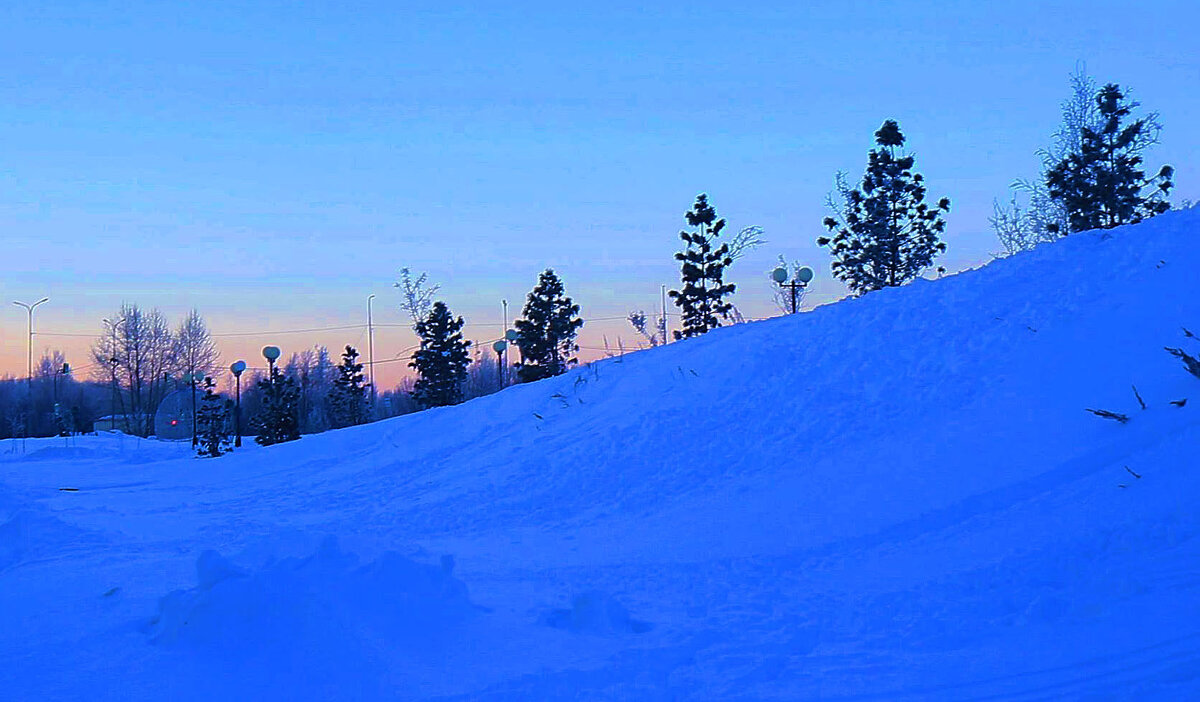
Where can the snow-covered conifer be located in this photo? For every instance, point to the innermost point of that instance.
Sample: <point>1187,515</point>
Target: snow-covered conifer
<point>546,333</point>
<point>1102,184</point>
<point>278,420</point>
<point>442,359</point>
<point>348,396</point>
<point>701,300</point>
<point>212,421</point>
<point>883,233</point>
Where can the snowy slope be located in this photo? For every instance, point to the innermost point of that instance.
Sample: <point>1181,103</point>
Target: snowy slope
<point>895,497</point>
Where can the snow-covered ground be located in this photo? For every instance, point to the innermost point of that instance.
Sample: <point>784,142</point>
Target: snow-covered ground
<point>899,497</point>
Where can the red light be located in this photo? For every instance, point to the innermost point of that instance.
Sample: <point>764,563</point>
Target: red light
<point>174,422</point>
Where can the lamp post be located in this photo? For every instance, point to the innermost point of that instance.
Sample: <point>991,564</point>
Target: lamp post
<point>510,336</point>
<point>29,309</point>
<point>238,368</point>
<point>65,370</point>
<point>271,353</point>
<point>499,346</point>
<point>63,428</point>
<point>799,282</point>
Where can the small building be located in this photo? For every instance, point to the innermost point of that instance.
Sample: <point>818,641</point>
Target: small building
<point>173,420</point>
<point>112,422</point>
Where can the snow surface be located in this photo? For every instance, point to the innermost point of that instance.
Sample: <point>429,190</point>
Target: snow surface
<point>896,497</point>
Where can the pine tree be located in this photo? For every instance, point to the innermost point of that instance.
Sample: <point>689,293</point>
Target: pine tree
<point>884,234</point>
<point>212,422</point>
<point>1102,184</point>
<point>702,300</point>
<point>278,420</point>
<point>442,359</point>
<point>546,333</point>
<point>348,396</point>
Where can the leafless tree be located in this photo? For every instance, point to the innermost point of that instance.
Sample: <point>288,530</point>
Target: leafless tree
<point>313,370</point>
<point>138,351</point>
<point>194,349</point>
<point>417,294</point>
<point>745,241</point>
<point>1025,221</point>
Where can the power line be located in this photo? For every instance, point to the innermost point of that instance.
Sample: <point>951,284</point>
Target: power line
<point>293,331</point>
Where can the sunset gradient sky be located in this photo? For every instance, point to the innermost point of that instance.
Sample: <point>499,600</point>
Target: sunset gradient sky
<point>272,164</point>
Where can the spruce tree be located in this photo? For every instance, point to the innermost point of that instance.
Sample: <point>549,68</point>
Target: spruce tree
<point>442,359</point>
<point>701,300</point>
<point>279,419</point>
<point>546,333</point>
<point>212,422</point>
<point>1102,185</point>
<point>884,233</point>
<point>348,396</point>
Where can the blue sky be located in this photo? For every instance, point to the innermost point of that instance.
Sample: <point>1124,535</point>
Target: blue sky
<point>274,163</point>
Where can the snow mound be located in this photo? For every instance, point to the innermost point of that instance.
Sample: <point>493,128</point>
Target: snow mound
<point>27,533</point>
<point>325,597</point>
<point>62,453</point>
<point>595,612</point>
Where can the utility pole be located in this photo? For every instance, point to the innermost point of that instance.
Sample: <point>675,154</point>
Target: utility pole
<point>664,314</point>
<point>371,350</point>
<point>504,335</point>
<point>112,364</point>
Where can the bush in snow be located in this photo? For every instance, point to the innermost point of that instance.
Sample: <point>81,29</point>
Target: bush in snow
<point>1190,362</point>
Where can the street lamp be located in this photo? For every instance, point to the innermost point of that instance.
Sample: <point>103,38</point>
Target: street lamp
<point>510,337</point>
<point>271,353</point>
<point>29,309</point>
<point>499,347</point>
<point>59,419</point>
<point>238,368</point>
<point>802,279</point>
<point>65,370</point>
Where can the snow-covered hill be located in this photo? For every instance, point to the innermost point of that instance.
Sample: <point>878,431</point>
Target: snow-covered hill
<point>895,497</point>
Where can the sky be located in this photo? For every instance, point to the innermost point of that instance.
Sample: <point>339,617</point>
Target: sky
<point>273,164</point>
